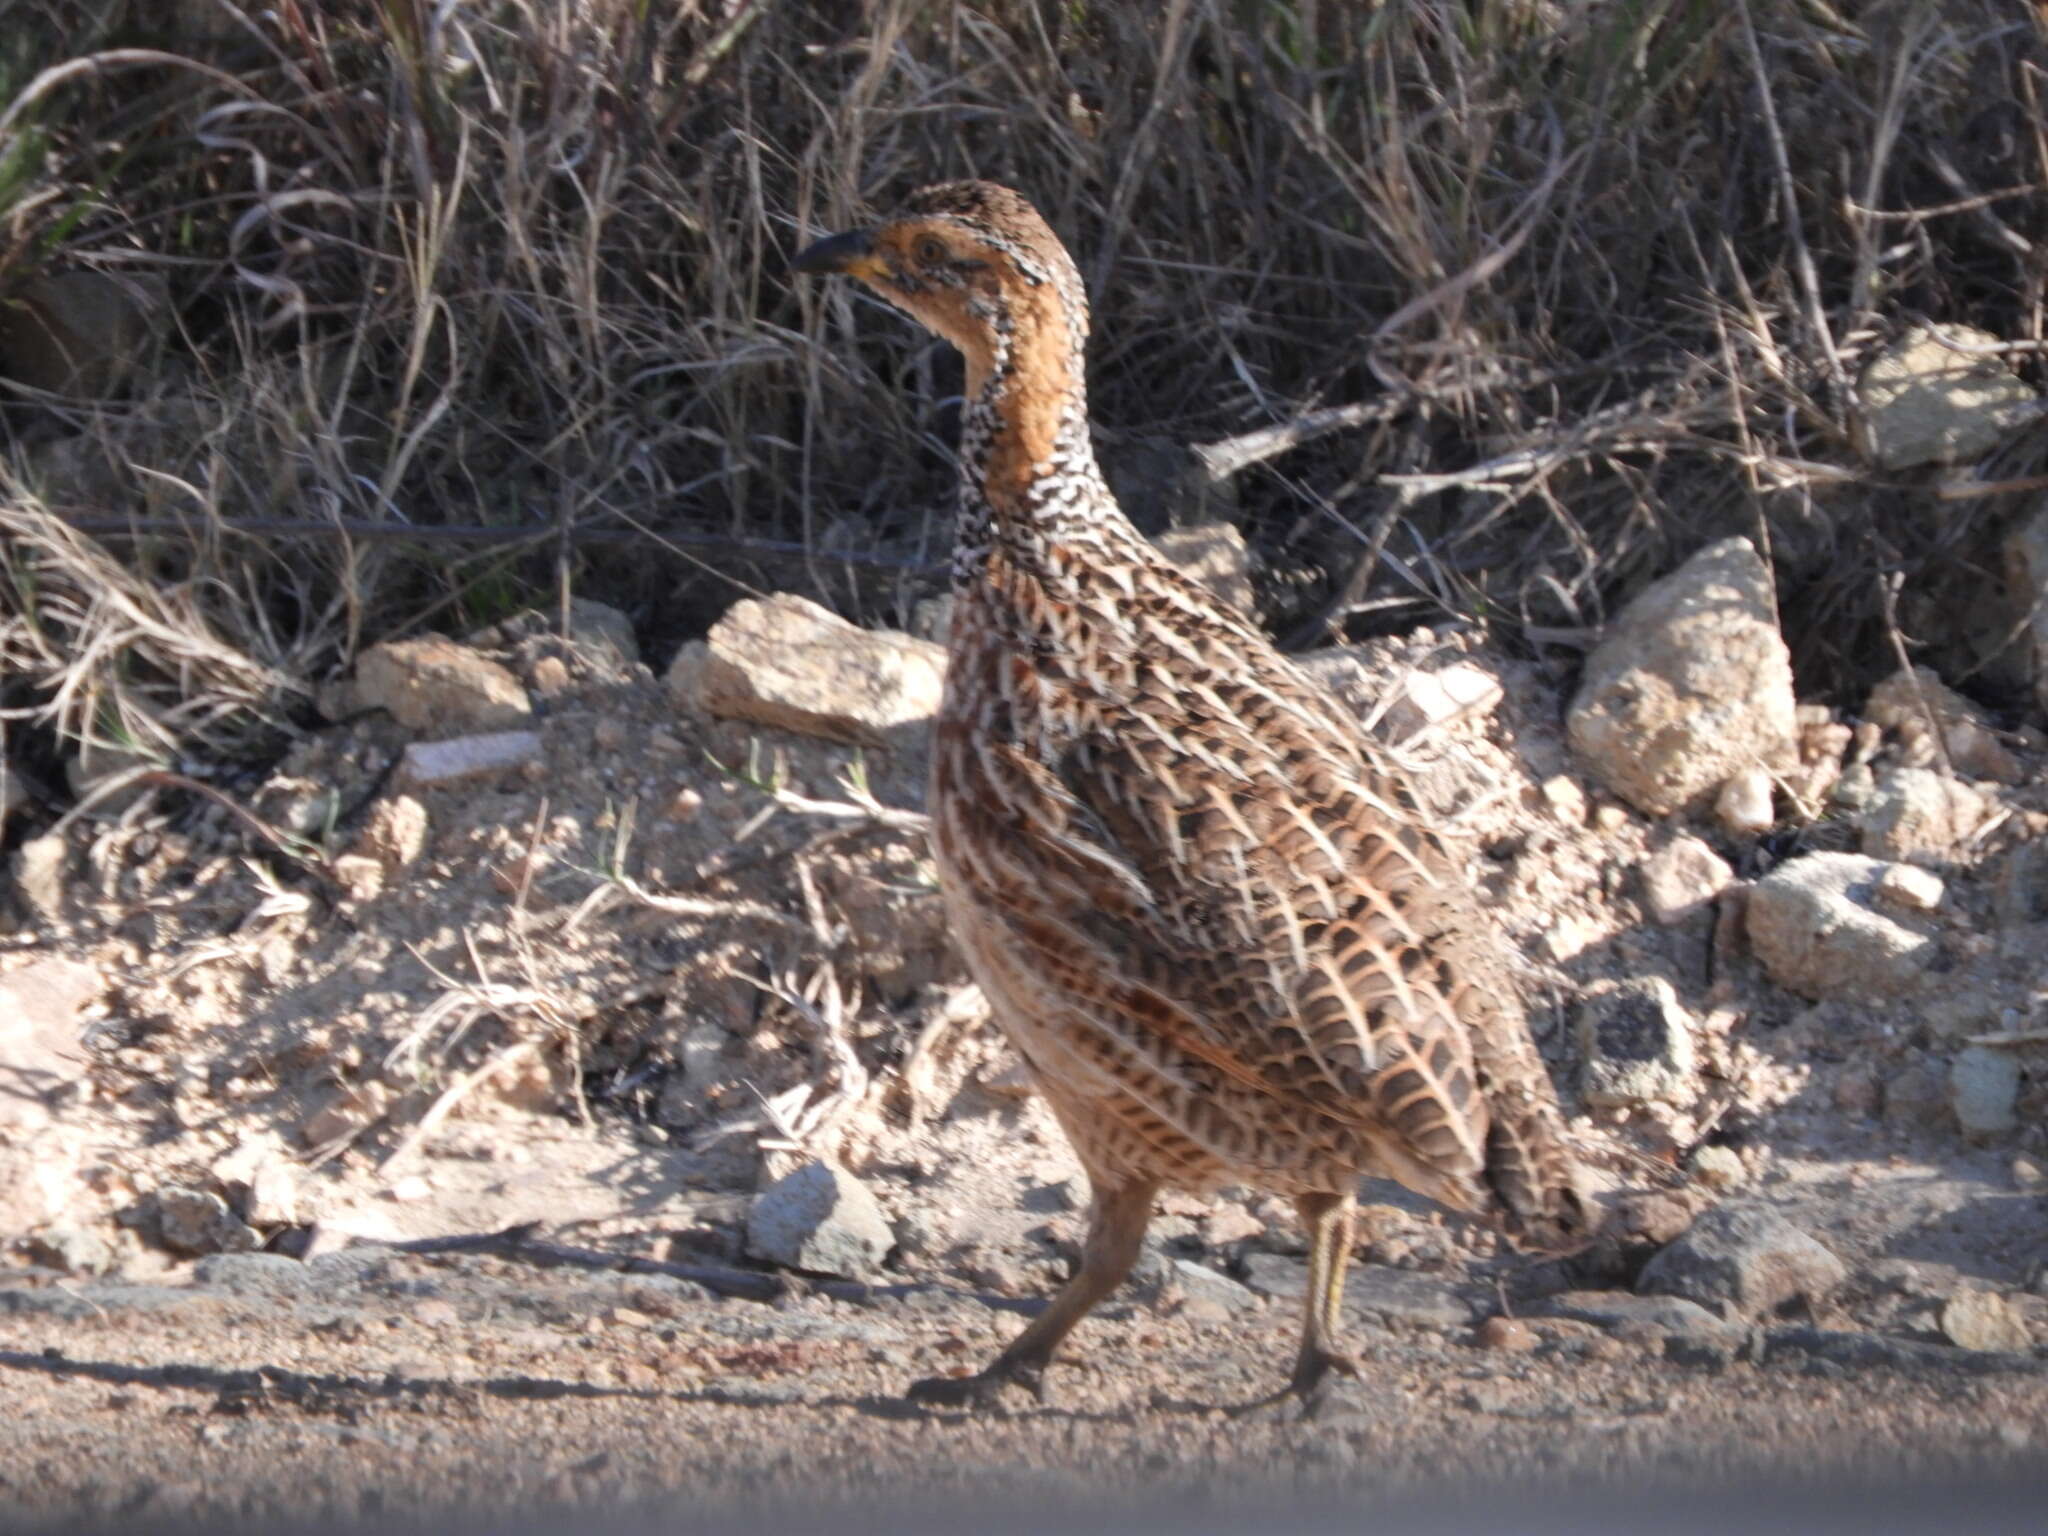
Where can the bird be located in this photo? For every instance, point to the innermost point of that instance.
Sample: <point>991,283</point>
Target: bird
<point>1208,912</point>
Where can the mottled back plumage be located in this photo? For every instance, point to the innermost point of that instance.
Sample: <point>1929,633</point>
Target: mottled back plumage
<point>1210,917</point>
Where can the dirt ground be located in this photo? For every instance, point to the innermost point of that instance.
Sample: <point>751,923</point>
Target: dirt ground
<point>601,1001</point>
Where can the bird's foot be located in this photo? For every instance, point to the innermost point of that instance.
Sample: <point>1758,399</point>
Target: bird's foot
<point>982,1390</point>
<point>1314,1386</point>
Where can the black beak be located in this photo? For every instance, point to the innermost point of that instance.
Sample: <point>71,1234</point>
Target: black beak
<point>837,253</point>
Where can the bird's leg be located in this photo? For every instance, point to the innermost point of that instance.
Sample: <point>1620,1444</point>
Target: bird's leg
<point>1329,1219</point>
<point>1116,1230</point>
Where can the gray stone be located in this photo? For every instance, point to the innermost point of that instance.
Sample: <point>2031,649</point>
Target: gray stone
<point>821,1219</point>
<point>438,764</point>
<point>1461,691</point>
<point>784,661</point>
<point>194,1221</point>
<point>1984,1088</point>
<point>1200,1282</point>
<point>1913,703</point>
<point>1689,686</point>
<point>1743,804</point>
<point>1402,1296</point>
<point>256,1274</point>
<point>439,686</point>
<point>1928,402</point>
<point>1909,888</point>
<point>1397,1295</point>
<point>1920,814</point>
<point>1636,1043</point>
<point>1984,1320</point>
<point>1747,1263</point>
<point>1681,877</point>
<point>594,625</point>
<point>1613,1309</point>
<point>1814,924</point>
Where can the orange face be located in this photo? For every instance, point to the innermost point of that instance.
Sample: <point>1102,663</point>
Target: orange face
<point>934,271</point>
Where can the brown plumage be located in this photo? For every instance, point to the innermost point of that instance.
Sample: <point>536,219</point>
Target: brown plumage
<point>1205,911</point>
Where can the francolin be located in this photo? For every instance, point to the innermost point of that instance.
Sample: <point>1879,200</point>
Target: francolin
<point>1204,907</point>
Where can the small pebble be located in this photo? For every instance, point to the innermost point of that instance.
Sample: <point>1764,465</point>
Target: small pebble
<point>1507,1335</point>
<point>1909,888</point>
<point>1744,804</point>
<point>550,677</point>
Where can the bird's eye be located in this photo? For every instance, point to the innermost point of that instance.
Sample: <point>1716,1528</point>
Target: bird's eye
<point>930,250</point>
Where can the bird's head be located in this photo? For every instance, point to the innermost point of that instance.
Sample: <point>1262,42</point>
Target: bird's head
<point>974,263</point>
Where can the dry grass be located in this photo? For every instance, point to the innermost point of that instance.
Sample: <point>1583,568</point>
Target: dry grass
<point>471,303</point>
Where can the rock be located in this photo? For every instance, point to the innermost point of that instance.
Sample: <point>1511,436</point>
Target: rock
<point>41,1044</point>
<point>1648,1217</point>
<point>74,1250</point>
<point>1914,702</point>
<point>1680,878</point>
<point>819,1218</point>
<point>1985,1320</point>
<point>39,875</point>
<point>1563,799</point>
<point>1984,1089</point>
<point>1920,814</point>
<point>1620,1309</point>
<point>395,832</point>
<point>1746,1263</point>
<point>1813,923</point>
<point>1505,1335</point>
<point>1460,691</point>
<point>262,1178</point>
<point>784,661</point>
<point>1637,1044</point>
<point>1908,888</point>
<point>257,1274</point>
<point>1216,556</point>
<point>440,686</point>
<point>1718,1167</point>
<point>549,676</point>
<point>1198,1282</point>
<point>1398,1295</point>
<point>80,333</point>
<point>1691,685</point>
<point>592,626</point>
<point>1928,402</point>
<point>1743,805</point>
<point>1230,1223</point>
<point>193,1221</point>
<point>350,1111</point>
<point>361,876</point>
<point>438,764</point>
